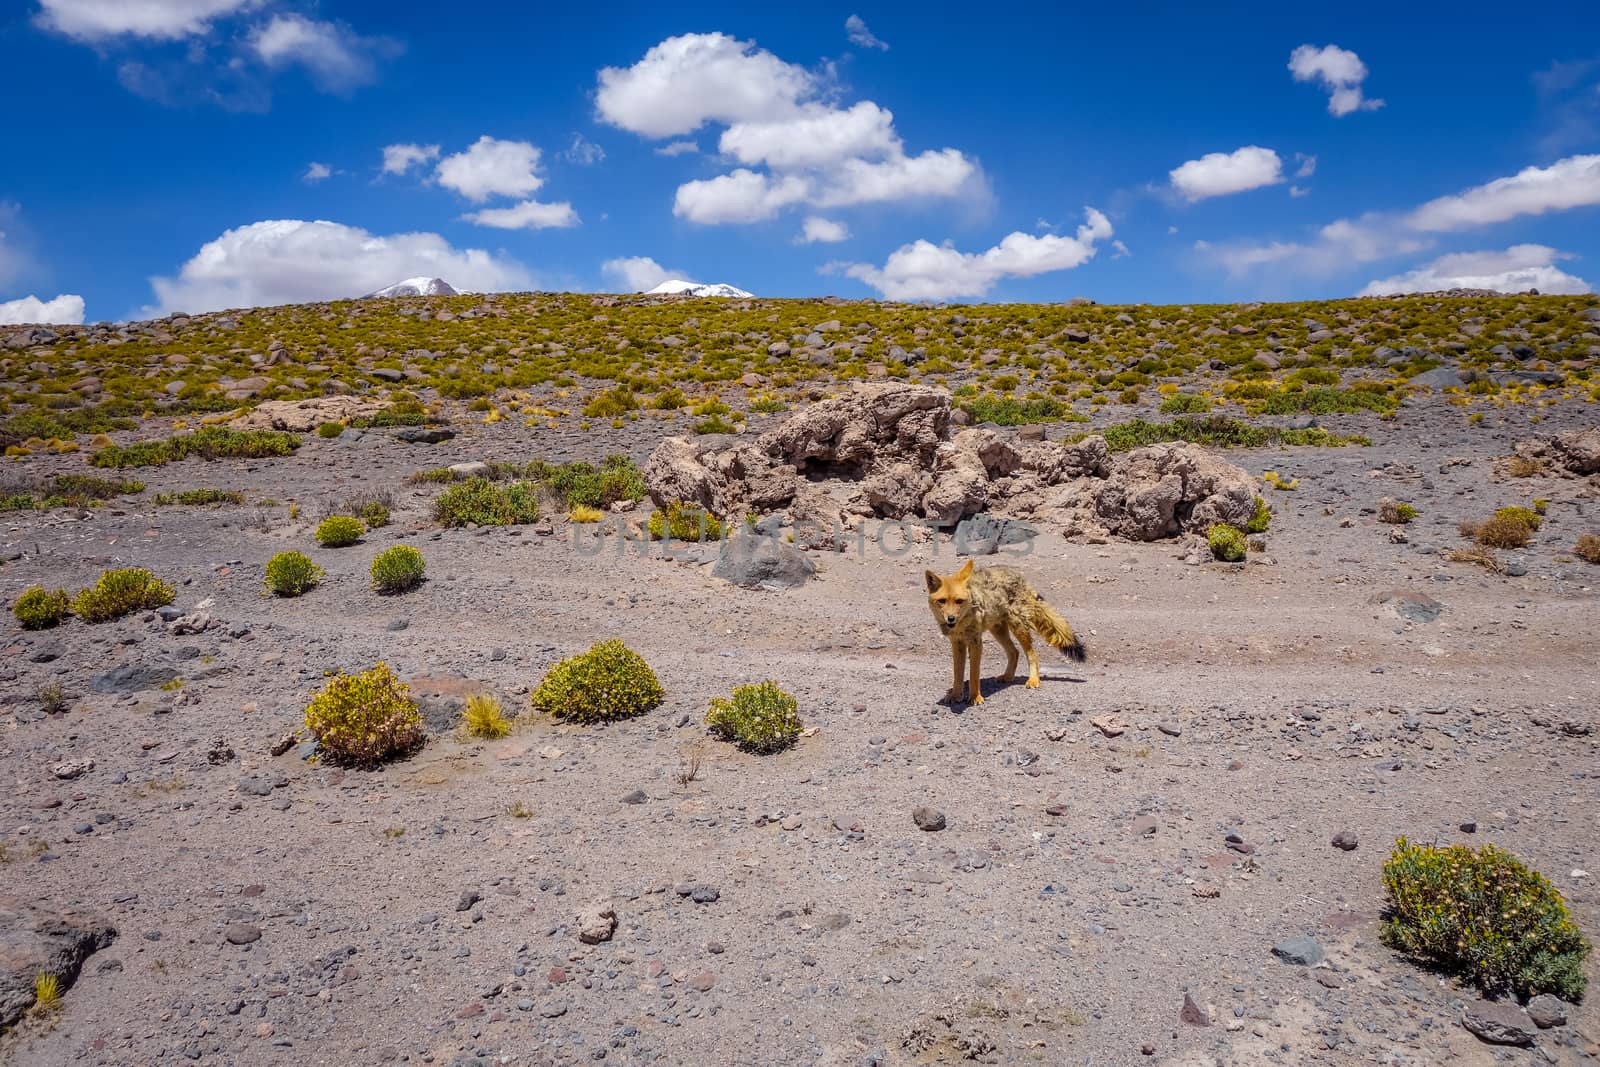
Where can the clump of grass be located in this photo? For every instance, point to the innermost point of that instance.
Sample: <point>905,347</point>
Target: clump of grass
<point>63,491</point>
<point>52,698</point>
<point>118,592</point>
<point>337,531</point>
<point>1260,519</point>
<point>481,502</point>
<point>1217,431</point>
<point>1279,482</point>
<point>1483,914</point>
<point>199,497</point>
<point>610,681</point>
<point>484,717</point>
<point>46,993</point>
<point>1520,466</point>
<point>618,400</point>
<point>363,719</point>
<point>397,569</point>
<point>760,718</point>
<point>1587,548</point>
<point>1186,404</point>
<point>1395,512</point>
<point>519,810</point>
<point>329,430</point>
<point>1478,554</point>
<point>371,507</point>
<point>1012,411</point>
<point>290,574</point>
<point>209,442</point>
<point>1228,543</point>
<point>442,475</point>
<point>583,513</point>
<point>1511,527</point>
<point>715,424</point>
<point>684,522</point>
<point>39,608</point>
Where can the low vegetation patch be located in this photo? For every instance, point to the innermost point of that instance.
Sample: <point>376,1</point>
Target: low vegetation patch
<point>684,522</point>
<point>210,442</point>
<point>292,573</point>
<point>1217,431</point>
<point>610,681</point>
<point>760,718</point>
<point>364,719</point>
<point>1511,527</point>
<point>1228,543</point>
<point>1587,548</point>
<point>1186,404</point>
<point>1261,519</point>
<point>484,717</point>
<point>1012,411</point>
<point>481,502</point>
<point>337,531</point>
<point>397,569</point>
<point>1395,512</point>
<point>40,608</point>
<point>118,592</point>
<point>63,491</point>
<point>1482,914</point>
<point>199,497</point>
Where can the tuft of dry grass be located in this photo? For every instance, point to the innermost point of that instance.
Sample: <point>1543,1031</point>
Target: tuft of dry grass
<point>46,993</point>
<point>484,717</point>
<point>689,769</point>
<point>1518,466</point>
<point>1503,531</point>
<point>1478,554</point>
<point>1588,548</point>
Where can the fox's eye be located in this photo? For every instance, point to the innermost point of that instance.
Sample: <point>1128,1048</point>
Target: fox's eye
<point>960,601</point>
<point>941,600</point>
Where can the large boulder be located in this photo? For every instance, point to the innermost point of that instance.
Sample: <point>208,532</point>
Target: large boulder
<point>675,473</point>
<point>762,561</point>
<point>847,434</point>
<point>36,939</point>
<point>303,416</point>
<point>1170,489</point>
<point>960,484</point>
<point>1574,453</point>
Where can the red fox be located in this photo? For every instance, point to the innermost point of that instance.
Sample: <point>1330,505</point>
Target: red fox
<point>1000,601</point>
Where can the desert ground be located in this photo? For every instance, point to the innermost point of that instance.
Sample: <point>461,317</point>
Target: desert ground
<point>1123,848</point>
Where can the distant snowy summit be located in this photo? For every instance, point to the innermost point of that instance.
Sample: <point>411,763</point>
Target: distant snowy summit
<point>416,287</point>
<point>678,287</point>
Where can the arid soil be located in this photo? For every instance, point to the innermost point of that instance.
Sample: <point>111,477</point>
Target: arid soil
<point>787,909</point>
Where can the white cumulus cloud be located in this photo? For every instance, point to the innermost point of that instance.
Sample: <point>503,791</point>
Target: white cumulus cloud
<point>317,172</point>
<point>491,167</point>
<point>288,261</point>
<point>926,271</point>
<point>1514,270</point>
<point>638,273</point>
<point>335,58</point>
<point>856,29</point>
<point>792,143</point>
<point>528,215</point>
<point>678,148</point>
<point>399,158</point>
<point>65,308</point>
<point>1339,71</point>
<point>1224,173</point>
<point>1568,183</point>
<point>818,230</point>
<point>162,20</point>
<point>583,152</point>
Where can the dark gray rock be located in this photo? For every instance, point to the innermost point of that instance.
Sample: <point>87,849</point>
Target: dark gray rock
<point>132,678</point>
<point>1440,378</point>
<point>1415,607</point>
<point>423,435</point>
<point>929,819</point>
<point>1546,1011</point>
<point>984,534</point>
<point>242,933</point>
<point>755,561</point>
<point>1345,840</point>
<point>37,939</point>
<point>1299,950</point>
<point>1498,1023</point>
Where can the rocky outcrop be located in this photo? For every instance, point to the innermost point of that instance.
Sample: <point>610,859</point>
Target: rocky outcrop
<point>1575,453</point>
<point>894,451</point>
<point>303,416</point>
<point>36,940</point>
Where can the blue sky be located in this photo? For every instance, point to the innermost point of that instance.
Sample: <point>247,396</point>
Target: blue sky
<point>197,154</point>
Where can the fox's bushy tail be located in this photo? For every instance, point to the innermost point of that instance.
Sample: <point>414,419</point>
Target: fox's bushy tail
<point>1048,624</point>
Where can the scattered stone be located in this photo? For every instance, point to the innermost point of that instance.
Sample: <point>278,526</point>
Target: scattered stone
<point>220,752</point>
<point>1498,1023</point>
<point>753,560</point>
<point>72,768</point>
<point>637,796</point>
<point>1547,1011</point>
<point>242,933</point>
<point>468,898</point>
<point>1300,950</point>
<point>701,981</point>
<point>596,923</point>
<point>929,819</point>
<point>284,744</point>
<point>420,435</point>
<point>1344,840</point>
<point>1193,1014</point>
<point>1411,606</point>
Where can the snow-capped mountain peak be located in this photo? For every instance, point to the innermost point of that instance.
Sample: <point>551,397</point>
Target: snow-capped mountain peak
<point>417,287</point>
<point>677,286</point>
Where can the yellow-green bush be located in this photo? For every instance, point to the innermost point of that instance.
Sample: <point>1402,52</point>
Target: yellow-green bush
<point>1261,519</point>
<point>337,531</point>
<point>481,502</point>
<point>118,592</point>
<point>364,719</point>
<point>484,717</point>
<point>292,573</point>
<point>684,522</point>
<point>761,718</point>
<point>40,608</point>
<point>1482,913</point>
<point>610,681</point>
<point>1228,543</point>
<point>1395,512</point>
<point>396,569</point>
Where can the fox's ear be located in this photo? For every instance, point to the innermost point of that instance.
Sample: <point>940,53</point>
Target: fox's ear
<point>934,581</point>
<point>965,571</point>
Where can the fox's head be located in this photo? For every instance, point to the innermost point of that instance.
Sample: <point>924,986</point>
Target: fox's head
<point>947,597</point>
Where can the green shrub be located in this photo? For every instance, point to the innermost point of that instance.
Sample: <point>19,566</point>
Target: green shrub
<point>1261,519</point>
<point>1227,543</point>
<point>481,502</point>
<point>63,491</point>
<point>390,417</point>
<point>768,405</point>
<point>1395,512</point>
<point>364,719</point>
<point>684,522</point>
<point>40,608</point>
<point>1500,531</point>
<point>1186,404</point>
<point>610,681</point>
<point>1524,516</point>
<point>715,424</point>
<point>118,592</point>
<point>197,497</point>
<point>761,718</point>
<point>1327,401</point>
<point>1010,411</point>
<point>1216,431</point>
<point>337,531</point>
<point>330,430</point>
<point>1481,913</point>
<point>373,514</point>
<point>292,573</point>
<point>616,401</point>
<point>210,442</point>
<point>396,569</point>
<point>617,478</point>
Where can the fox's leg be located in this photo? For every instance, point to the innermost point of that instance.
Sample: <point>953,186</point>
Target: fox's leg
<point>958,662</point>
<point>1033,660</point>
<point>974,676</point>
<point>1004,637</point>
